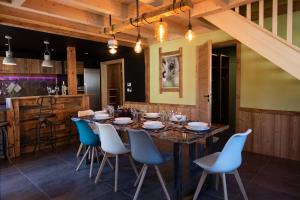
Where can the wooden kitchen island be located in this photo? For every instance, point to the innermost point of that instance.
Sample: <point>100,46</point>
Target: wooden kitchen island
<point>22,112</point>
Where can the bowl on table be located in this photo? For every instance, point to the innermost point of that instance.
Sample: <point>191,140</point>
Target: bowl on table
<point>152,115</point>
<point>197,126</point>
<point>101,112</point>
<point>153,125</point>
<point>101,116</point>
<point>122,120</point>
<point>178,118</point>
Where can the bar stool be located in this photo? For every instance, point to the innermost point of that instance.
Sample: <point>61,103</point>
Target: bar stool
<point>44,121</point>
<point>6,146</point>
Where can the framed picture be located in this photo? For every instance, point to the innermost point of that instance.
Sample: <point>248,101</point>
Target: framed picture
<point>170,77</point>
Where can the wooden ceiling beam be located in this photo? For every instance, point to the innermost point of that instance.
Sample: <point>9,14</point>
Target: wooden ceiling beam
<point>208,7</point>
<point>35,21</point>
<point>151,17</point>
<point>64,12</point>
<point>106,7</point>
<point>18,2</point>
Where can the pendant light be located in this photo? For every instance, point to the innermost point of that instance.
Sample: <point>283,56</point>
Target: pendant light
<point>161,31</point>
<point>138,47</point>
<point>189,35</point>
<point>47,57</point>
<point>112,43</point>
<point>8,59</point>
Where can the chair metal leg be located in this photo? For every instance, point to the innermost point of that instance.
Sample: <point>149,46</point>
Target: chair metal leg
<point>139,176</point>
<point>240,183</point>
<point>200,184</point>
<point>224,186</point>
<point>140,183</point>
<point>162,182</point>
<point>92,162</point>
<point>101,167</point>
<point>133,165</point>
<point>79,150</point>
<point>116,173</point>
<point>86,153</point>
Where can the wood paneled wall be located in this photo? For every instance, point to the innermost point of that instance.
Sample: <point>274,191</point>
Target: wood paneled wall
<point>191,112</point>
<point>275,133</point>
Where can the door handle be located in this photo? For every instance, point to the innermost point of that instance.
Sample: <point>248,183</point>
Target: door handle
<point>208,97</point>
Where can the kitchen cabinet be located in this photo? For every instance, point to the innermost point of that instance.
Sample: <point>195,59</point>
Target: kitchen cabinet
<point>30,66</point>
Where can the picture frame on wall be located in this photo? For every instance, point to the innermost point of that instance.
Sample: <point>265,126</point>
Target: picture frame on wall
<point>170,71</point>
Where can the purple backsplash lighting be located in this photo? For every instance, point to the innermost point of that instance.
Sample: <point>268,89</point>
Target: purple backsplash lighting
<point>13,78</point>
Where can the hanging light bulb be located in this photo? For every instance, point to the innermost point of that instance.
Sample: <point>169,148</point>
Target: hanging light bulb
<point>112,45</point>
<point>47,57</point>
<point>8,59</point>
<point>138,47</point>
<point>112,50</point>
<point>189,35</point>
<point>138,44</point>
<point>161,31</point>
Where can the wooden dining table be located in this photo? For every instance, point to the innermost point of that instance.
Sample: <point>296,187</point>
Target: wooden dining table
<point>179,135</point>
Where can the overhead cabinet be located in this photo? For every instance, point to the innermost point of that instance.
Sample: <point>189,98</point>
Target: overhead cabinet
<point>30,66</point>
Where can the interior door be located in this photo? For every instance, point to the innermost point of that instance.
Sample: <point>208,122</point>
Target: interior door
<point>203,81</point>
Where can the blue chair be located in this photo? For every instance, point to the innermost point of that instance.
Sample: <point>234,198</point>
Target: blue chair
<point>88,138</point>
<point>112,145</point>
<point>83,113</point>
<point>143,150</point>
<point>225,162</point>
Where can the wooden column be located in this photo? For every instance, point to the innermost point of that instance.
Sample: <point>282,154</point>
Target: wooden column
<point>72,74</point>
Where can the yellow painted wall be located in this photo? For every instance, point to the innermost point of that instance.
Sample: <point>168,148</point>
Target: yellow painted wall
<point>188,63</point>
<point>263,84</point>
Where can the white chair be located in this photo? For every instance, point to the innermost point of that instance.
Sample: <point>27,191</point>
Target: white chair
<point>112,145</point>
<point>83,113</point>
<point>225,162</point>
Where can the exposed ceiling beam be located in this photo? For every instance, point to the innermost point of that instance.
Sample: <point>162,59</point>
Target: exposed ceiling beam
<point>112,7</point>
<point>24,18</point>
<point>17,2</point>
<point>64,12</point>
<point>153,2</point>
<point>150,17</point>
<point>208,7</point>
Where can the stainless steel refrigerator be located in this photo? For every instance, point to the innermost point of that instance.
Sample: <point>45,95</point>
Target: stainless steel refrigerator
<point>92,86</point>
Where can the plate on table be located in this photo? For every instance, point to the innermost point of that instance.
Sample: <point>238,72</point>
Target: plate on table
<point>122,120</point>
<point>151,115</point>
<point>153,128</point>
<point>101,118</point>
<point>153,125</point>
<point>197,129</point>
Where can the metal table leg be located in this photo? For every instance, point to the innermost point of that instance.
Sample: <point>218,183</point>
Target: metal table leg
<point>178,171</point>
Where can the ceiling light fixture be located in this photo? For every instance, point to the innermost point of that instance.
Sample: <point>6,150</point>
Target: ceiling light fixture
<point>161,31</point>
<point>189,35</point>
<point>138,44</point>
<point>112,43</point>
<point>8,59</point>
<point>138,47</point>
<point>47,57</point>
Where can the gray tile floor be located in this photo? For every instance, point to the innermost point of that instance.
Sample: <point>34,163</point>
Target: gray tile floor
<point>52,175</point>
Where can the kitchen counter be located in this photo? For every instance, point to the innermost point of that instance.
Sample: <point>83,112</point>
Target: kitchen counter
<point>22,112</point>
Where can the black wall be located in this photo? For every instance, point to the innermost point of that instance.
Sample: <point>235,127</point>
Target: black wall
<point>29,44</point>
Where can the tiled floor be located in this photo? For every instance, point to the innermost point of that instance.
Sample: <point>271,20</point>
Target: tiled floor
<point>48,175</point>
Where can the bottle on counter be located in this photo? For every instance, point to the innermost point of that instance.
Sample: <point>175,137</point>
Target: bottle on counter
<point>63,89</point>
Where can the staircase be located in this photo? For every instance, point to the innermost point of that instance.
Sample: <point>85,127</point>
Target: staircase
<point>279,51</point>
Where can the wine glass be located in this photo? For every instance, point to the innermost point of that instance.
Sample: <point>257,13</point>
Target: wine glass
<point>49,90</point>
